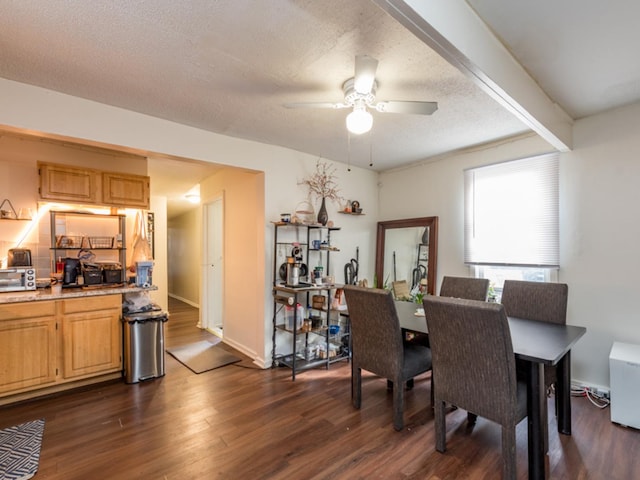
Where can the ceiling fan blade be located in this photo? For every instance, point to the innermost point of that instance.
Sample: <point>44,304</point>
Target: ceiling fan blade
<point>365,74</point>
<point>316,105</point>
<point>417,108</point>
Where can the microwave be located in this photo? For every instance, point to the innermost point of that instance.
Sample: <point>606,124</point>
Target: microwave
<point>16,279</point>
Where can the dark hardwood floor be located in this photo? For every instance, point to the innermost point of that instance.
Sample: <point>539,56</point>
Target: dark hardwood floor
<point>241,422</point>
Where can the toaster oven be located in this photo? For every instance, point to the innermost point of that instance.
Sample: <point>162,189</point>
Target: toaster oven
<point>16,279</point>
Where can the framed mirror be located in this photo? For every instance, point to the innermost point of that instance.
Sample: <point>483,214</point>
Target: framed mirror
<point>406,250</point>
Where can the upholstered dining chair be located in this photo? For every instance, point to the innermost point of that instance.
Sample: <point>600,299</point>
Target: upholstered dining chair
<point>465,287</point>
<point>470,289</point>
<point>542,301</point>
<point>474,368</point>
<point>377,346</point>
<point>457,287</point>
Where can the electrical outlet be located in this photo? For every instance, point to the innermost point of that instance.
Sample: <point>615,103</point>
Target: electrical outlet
<point>603,392</point>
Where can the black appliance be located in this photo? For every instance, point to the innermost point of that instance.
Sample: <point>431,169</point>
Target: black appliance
<point>71,271</point>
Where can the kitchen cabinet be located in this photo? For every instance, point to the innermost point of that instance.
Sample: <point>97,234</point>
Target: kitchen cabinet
<point>48,346</point>
<point>68,184</point>
<point>125,190</point>
<point>91,336</point>
<point>27,346</point>
<point>88,186</point>
<point>321,336</point>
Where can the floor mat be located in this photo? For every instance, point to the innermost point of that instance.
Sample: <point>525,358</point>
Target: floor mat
<point>202,356</point>
<point>20,450</point>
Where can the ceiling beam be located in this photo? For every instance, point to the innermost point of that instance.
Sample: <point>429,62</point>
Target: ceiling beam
<point>454,30</point>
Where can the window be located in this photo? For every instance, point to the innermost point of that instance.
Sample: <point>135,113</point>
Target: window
<point>512,221</point>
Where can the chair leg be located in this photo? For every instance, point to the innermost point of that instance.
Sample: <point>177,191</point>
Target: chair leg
<point>356,387</point>
<point>441,427</point>
<point>432,403</point>
<point>398,408</point>
<point>509,452</point>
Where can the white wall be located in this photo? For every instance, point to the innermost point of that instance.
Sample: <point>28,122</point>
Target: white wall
<point>599,226</point>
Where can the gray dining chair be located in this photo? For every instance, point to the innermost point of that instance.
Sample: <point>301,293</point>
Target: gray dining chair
<point>542,301</point>
<point>465,287</point>
<point>377,346</point>
<point>474,368</point>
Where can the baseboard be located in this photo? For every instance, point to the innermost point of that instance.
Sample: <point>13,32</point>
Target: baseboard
<point>187,301</point>
<point>248,353</point>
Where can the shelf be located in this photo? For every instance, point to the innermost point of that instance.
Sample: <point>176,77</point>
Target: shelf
<point>306,346</point>
<point>350,213</point>
<point>104,235</point>
<point>86,248</point>
<point>301,363</point>
<point>303,225</point>
<point>300,331</point>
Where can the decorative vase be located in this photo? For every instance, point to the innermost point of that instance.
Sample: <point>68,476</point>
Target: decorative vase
<point>323,216</point>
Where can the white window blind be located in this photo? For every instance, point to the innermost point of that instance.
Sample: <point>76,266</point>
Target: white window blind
<point>511,213</point>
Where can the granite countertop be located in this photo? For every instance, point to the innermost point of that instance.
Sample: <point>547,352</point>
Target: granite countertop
<point>46,294</point>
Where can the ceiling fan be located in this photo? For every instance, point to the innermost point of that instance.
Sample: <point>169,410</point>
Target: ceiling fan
<point>360,94</point>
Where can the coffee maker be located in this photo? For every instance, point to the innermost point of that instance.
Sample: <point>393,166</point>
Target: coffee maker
<point>71,271</point>
<point>293,272</point>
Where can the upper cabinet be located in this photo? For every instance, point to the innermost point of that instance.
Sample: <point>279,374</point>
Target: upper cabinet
<point>68,184</point>
<point>87,186</point>
<point>125,190</point>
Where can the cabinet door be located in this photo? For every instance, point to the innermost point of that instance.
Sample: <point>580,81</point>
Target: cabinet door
<point>27,345</point>
<point>91,336</point>
<point>68,184</point>
<point>125,190</point>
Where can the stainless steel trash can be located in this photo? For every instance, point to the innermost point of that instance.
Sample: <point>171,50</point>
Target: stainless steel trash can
<point>144,345</point>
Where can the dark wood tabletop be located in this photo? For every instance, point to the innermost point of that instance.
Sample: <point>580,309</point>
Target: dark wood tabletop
<point>537,343</point>
<point>542,342</point>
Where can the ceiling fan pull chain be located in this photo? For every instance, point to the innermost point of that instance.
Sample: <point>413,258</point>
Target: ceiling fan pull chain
<point>348,151</point>
<point>370,149</point>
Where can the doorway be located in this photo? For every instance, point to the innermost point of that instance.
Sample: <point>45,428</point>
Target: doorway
<point>212,266</point>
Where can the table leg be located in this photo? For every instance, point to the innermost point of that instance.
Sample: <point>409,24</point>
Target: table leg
<point>563,394</point>
<point>536,420</point>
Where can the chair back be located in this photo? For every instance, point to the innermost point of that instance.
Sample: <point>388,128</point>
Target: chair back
<point>545,302</point>
<point>376,336</point>
<point>472,355</point>
<point>465,287</point>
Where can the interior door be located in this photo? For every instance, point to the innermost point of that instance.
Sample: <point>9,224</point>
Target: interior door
<point>213,266</point>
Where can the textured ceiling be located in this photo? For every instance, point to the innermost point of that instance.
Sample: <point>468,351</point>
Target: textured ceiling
<point>228,66</point>
<point>583,53</point>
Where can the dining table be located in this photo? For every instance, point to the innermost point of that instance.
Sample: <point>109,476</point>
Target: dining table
<point>537,344</point>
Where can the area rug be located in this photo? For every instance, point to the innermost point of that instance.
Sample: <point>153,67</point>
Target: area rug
<point>202,356</point>
<point>20,450</point>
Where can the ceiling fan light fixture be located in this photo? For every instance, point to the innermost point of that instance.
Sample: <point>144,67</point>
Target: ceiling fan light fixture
<point>359,121</point>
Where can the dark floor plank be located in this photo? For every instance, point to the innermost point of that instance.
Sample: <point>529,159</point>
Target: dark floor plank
<point>243,422</point>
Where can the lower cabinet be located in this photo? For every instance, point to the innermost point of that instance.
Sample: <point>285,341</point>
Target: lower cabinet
<point>27,346</point>
<point>49,345</point>
<point>91,336</point>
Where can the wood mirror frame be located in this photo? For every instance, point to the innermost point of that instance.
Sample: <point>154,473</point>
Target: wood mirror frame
<point>423,222</point>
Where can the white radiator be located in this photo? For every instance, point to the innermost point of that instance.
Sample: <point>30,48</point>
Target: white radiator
<point>624,373</point>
